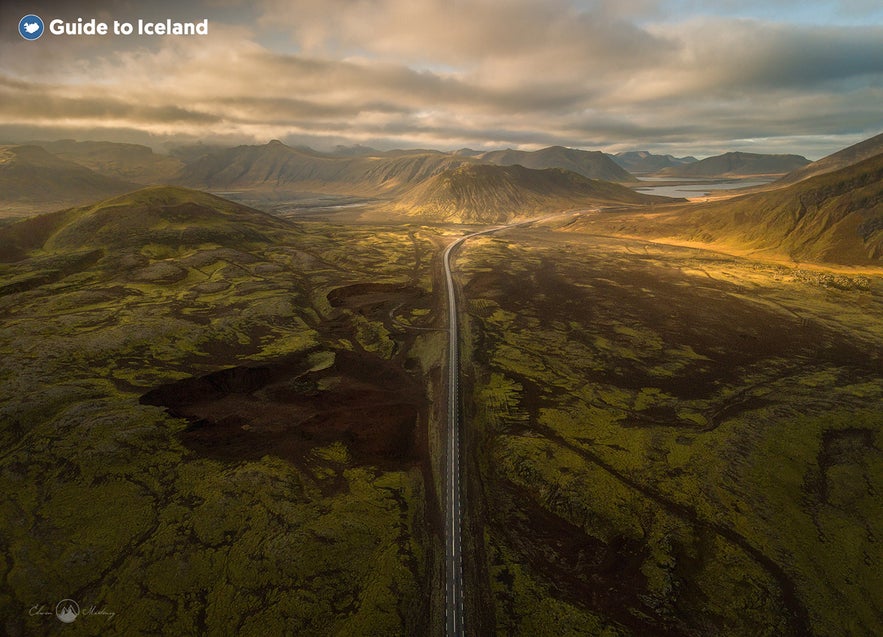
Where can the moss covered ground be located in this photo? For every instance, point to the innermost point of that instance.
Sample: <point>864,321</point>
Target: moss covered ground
<point>107,502</point>
<point>672,441</point>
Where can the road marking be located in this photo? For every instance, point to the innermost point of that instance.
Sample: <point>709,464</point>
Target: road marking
<point>454,587</point>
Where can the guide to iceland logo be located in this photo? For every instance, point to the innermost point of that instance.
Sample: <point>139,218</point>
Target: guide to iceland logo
<point>30,27</point>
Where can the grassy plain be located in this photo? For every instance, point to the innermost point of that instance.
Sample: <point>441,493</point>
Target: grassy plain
<point>183,520</point>
<point>673,441</point>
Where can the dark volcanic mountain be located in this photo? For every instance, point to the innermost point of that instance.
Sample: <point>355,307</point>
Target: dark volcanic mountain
<point>738,165</point>
<point>33,180</point>
<point>163,216</point>
<point>132,162</point>
<point>841,159</point>
<point>591,164</point>
<point>495,194</point>
<point>641,161</point>
<point>276,166</point>
<point>836,217</point>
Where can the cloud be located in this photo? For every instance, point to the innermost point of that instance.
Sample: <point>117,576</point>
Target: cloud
<point>452,73</point>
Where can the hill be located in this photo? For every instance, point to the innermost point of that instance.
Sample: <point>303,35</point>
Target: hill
<point>738,165</point>
<point>166,217</point>
<point>591,164</point>
<point>132,162</point>
<point>841,159</point>
<point>641,161</point>
<point>34,180</point>
<point>834,218</point>
<point>275,166</point>
<point>495,194</point>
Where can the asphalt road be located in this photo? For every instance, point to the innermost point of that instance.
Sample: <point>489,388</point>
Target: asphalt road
<point>454,606</point>
<point>453,511</point>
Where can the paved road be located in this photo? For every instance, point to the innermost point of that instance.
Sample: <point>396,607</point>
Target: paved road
<point>454,620</point>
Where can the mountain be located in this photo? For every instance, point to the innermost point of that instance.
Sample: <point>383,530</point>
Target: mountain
<point>357,150</point>
<point>836,218</point>
<point>188,153</point>
<point>641,161</point>
<point>132,162</point>
<point>34,180</point>
<point>162,216</point>
<point>480,193</point>
<point>591,164</point>
<point>275,166</point>
<point>841,159</point>
<point>738,165</point>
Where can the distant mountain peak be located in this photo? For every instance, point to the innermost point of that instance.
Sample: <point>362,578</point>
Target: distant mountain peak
<point>643,161</point>
<point>738,164</point>
<point>588,163</point>
<point>486,193</point>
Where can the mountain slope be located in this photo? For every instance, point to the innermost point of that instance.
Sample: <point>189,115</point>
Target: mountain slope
<point>158,215</point>
<point>132,162</point>
<point>275,166</point>
<point>495,194</point>
<point>841,159</point>
<point>591,164</point>
<point>737,165</point>
<point>834,218</point>
<point>35,179</point>
<point>641,161</point>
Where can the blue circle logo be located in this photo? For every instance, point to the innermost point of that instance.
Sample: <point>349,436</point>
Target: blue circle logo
<point>30,27</point>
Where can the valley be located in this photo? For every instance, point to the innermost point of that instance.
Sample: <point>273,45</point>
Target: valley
<point>631,415</point>
<point>547,318</point>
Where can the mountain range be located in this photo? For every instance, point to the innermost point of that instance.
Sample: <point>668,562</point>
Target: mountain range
<point>276,166</point>
<point>829,210</point>
<point>34,180</point>
<point>642,161</point>
<point>737,164</point>
<point>50,175</point>
<point>131,162</point>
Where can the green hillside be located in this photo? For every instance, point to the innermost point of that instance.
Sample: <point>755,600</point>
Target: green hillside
<point>159,215</point>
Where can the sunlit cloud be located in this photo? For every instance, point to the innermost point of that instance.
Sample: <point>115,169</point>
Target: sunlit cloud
<point>484,73</point>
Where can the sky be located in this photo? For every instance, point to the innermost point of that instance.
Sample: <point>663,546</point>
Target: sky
<point>671,76</point>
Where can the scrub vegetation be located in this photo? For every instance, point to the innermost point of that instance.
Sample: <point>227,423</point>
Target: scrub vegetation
<point>156,353</point>
<point>672,441</point>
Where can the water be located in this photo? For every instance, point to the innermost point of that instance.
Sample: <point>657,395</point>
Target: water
<point>698,187</point>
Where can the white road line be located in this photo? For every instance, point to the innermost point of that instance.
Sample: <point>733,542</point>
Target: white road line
<point>454,603</point>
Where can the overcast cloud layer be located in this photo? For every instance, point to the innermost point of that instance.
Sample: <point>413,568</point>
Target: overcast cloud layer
<point>669,76</point>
